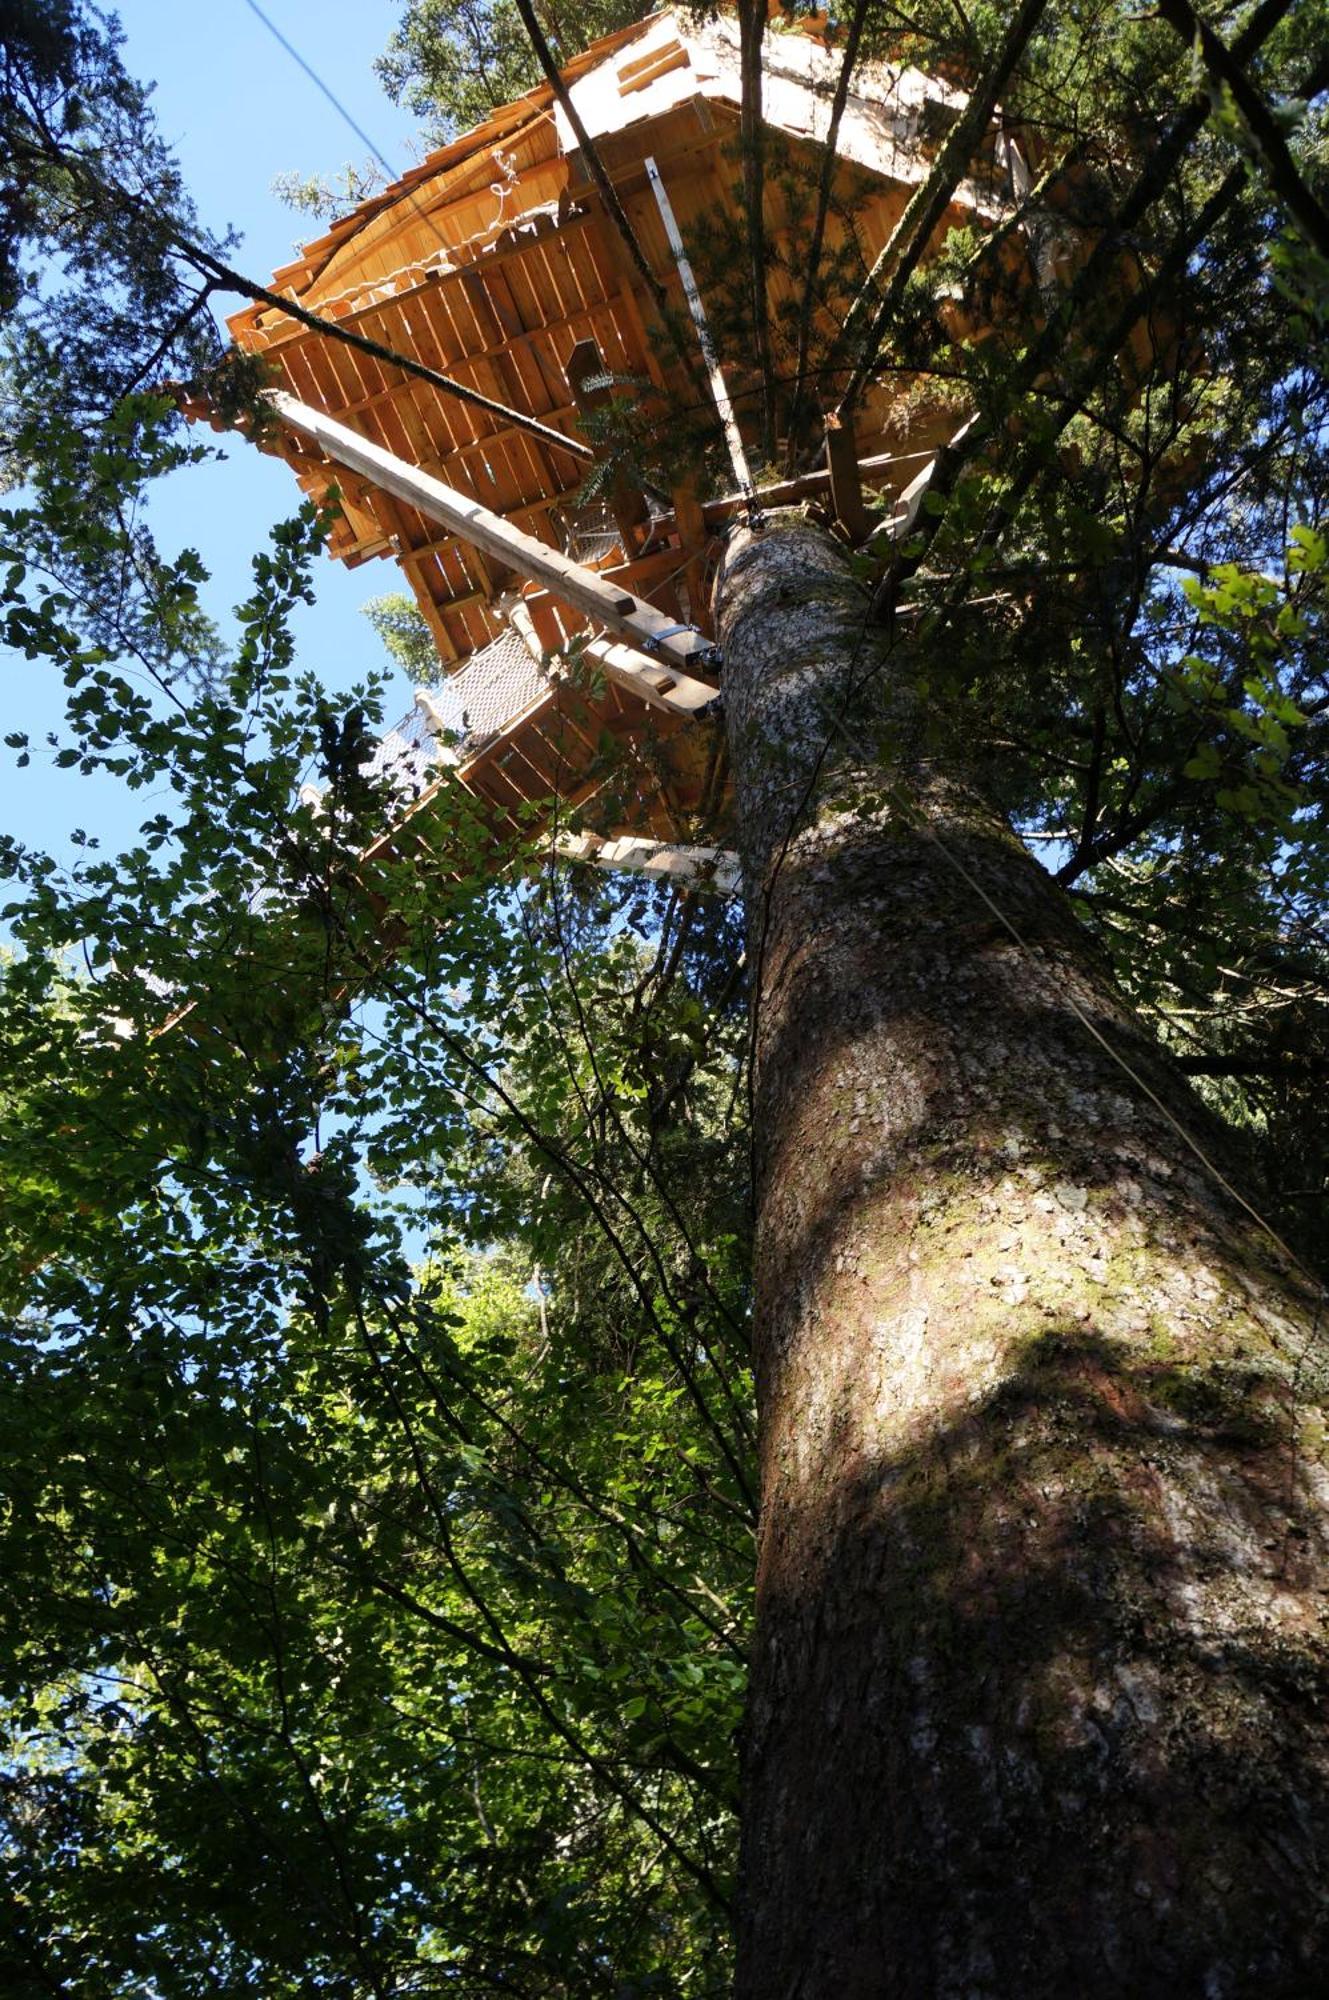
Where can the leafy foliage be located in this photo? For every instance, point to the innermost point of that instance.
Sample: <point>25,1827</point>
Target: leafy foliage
<point>370,1620</point>
<point>92,301</point>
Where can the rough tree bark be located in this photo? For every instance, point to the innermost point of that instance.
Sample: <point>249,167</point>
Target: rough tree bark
<point>1038,1689</point>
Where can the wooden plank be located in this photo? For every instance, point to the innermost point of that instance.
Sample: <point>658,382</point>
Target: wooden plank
<point>713,868</point>
<point>433,617</point>
<point>616,608</point>
<point>676,694</point>
<point>693,535</point>
<point>724,408</point>
<point>911,500</point>
<point>689,516</point>
<point>509,755</point>
<point>786,492</point>
<point>493,784</point>
<point>478,625</point>
<point>846,491</point>
<point>438,544</point>
<point>391,515</point>
<point>567,699</point>
<point>551,283</point>
<point>554,749</point>
<point>487,324</point>
<point>523,624</point>
<point>422,572</point>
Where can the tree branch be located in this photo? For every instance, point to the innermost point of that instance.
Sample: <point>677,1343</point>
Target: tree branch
<point>925,209</point>
<point>207,263</point>
<point>1150,182</point>
<point>1311,217</point>
<point>752,140</point>
<point>824,186</point>
<point>1289,1067</point>
<point>595,165</point>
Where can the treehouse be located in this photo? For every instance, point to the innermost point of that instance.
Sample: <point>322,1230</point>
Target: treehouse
<point>572,268</point>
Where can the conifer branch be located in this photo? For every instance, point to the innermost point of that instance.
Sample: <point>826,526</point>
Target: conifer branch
<point>752,140</point>
<point>924,211</point>
<point>825,183</point>
<point>1228,74</point>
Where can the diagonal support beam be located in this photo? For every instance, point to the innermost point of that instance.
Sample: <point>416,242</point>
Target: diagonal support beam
<point>657,686</point>
<point>713,868</point>
<point>910,501</point>
<point>620,611</point>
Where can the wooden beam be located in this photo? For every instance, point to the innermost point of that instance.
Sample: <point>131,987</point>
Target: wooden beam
<point>719,391</point>
<point>644,574</point>
<point>689,516</point>
<point>424,597</point>
<point>787,492</point>
<point>424,279</point>
<point>433,618</point>
<point>658,686</point>
<point>627,298</point>
<point>846,490</point>
<point>617,609</point>
<point>694,539</point>
<point>334,330</point>
<point>713,868</point>
<point>482,441</point>
<point>442,542</point>
<point>911,500</point>
<point>523,624</point>
<point>590,157</point>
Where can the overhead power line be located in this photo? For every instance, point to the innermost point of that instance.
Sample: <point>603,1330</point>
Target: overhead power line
<point>324,89</point>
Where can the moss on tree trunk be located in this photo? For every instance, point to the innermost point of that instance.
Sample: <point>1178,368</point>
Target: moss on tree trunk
<point>1038,1702</point>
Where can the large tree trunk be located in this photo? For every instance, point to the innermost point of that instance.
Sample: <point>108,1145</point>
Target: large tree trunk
<point>1038,1689</point>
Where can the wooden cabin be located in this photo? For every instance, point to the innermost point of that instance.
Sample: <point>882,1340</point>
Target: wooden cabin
<point>496,264</point>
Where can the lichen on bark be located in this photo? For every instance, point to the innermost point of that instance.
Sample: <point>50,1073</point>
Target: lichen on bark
<point>1038,1688</point>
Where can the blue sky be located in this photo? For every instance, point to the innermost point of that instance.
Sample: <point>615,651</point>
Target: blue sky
<point>237,112</point>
